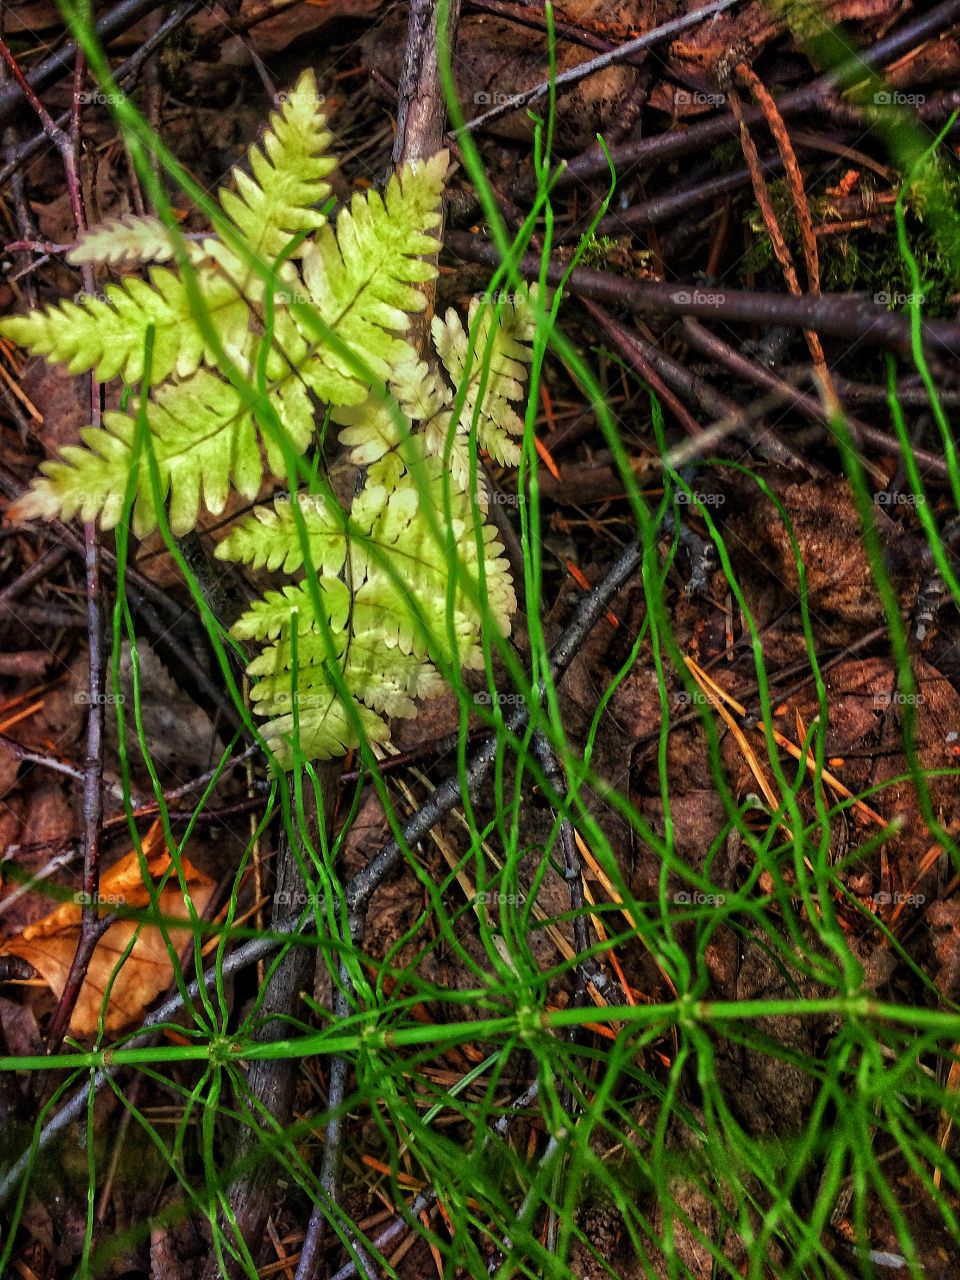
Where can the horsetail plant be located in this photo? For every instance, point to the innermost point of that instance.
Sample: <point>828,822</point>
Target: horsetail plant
<point>316,320</point>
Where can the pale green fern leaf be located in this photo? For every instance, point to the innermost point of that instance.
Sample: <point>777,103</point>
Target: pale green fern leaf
<point>123,242</point>
<point>325,729</point>
<point>269,537</point>
<point>500,343</point>
<point>362,281</point>
<point>108,333</point>
<point>273,614</point>
<point>371,430</point>
<point>279,201</point>
<point>203,439</point>
<point>414,616</point>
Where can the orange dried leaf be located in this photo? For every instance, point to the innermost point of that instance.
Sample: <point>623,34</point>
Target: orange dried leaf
<point>50,944</point>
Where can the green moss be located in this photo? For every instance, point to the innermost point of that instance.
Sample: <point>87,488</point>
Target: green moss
<point>862,260</point>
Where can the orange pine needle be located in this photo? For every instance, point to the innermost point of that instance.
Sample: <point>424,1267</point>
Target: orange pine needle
<point>20,715</point>
<point>548,408</point>
<point>545,457</point>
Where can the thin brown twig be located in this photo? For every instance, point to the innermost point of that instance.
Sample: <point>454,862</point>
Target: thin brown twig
<point>90,922</point>
<point>592,65</point>
<point>837,315</point>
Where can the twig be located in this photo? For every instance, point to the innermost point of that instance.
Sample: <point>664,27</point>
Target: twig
<point>270,1083</point>
<point>837,315</point>
<point>700,137</point>
<point>91,926</point>
<point>653,364</point>
<point>56,65</point>
<point>649,213</point>
<point>421,115</point>
<point>43,565</point>
<point>752,371</point>
<point>583,69</point>
<point>527,16</point>
<point>127,70</point>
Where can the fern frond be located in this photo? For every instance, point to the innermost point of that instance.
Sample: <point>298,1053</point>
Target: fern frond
<point>203,438</point>
<point>279,201</point>
<point>368,635</point>
<point>400,534</point>
<point>269,537</point>
<point>500,342</point>
<point>272,615</point>
<point>325,730</point>
<point>362,281</point>
<point>108,334</point>
<point>386,679</point>
<point>123,242</point>
<point>377,674</point>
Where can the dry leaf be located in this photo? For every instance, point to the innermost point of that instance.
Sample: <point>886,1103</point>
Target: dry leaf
<point>50,944</point>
